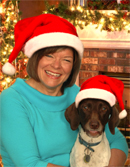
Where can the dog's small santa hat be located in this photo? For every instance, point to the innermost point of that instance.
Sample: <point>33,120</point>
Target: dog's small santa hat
<point>46,30</point>
<point>104,88</point>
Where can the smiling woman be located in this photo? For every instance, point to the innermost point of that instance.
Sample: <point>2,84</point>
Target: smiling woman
<point>56,61</point>
<point>53,70</point>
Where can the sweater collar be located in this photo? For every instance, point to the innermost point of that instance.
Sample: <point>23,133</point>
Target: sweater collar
<point>51,103</point>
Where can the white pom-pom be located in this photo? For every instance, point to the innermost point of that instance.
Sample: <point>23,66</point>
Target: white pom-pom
<point>8,69</point>
<point>122,114</point>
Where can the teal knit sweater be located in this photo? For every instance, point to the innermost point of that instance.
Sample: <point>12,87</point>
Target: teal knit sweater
<point>34,131</point>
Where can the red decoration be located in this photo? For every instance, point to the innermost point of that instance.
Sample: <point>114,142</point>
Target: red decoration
<point>125,2</point>
<point>125,14</point>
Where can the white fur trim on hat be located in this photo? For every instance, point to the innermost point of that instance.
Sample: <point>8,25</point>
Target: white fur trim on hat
<point>97,94</point>
<point>122,114</point>
<point>8,69</point>
<point>53,39</point>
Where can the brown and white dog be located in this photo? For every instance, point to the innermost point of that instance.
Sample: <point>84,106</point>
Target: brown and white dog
<point>92,115</point>
<point>94,107</point>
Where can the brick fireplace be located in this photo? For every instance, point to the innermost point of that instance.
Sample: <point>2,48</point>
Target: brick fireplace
<point>99,60</point>
<point>104,52</point>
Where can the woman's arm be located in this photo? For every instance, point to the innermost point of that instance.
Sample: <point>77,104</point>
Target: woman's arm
<point>119,147</point>
<point>118,158</point>
<point>17,136</point>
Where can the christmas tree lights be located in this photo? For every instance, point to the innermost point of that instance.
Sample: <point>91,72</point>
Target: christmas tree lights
<point>10,15</point>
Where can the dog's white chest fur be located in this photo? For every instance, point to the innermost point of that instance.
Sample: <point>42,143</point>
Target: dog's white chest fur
<point>99,158</point>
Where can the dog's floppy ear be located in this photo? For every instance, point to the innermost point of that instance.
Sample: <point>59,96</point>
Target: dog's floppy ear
<point>72,116</point>
<point>114,120</point>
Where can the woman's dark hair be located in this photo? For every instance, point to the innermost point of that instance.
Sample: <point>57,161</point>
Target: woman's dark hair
<point>34,60</point>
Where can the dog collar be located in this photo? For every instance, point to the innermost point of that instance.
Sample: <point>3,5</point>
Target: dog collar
<point>86,144</point>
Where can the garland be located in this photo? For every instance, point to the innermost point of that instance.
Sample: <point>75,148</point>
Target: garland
<point>116,20</point>
<point>108,5</point>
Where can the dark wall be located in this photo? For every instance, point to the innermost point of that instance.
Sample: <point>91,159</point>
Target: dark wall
<point>31,8</point>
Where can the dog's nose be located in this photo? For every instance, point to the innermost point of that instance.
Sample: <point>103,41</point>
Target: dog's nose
<point>94,124</point>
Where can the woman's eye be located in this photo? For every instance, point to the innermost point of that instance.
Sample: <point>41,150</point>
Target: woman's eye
<point>67,60</point>
<point>48,55</point>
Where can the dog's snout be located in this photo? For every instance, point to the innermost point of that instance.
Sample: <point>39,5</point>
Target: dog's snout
<point>94,124</point>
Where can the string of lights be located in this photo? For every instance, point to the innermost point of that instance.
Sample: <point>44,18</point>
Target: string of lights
<point>108,20</point>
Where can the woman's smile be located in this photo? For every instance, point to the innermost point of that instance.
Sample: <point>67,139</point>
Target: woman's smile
<point>55,75</point>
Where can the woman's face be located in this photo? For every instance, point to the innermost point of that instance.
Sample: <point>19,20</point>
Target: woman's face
<point>55,68</point>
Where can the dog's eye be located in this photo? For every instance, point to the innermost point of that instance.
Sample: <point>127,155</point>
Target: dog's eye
<point>104,109</point>
<point>86,107</point>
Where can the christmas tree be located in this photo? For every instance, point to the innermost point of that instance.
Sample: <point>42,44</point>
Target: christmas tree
<point>10,15</point>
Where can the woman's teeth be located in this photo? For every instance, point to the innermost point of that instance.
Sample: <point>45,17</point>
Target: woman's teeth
<point>53,74</point>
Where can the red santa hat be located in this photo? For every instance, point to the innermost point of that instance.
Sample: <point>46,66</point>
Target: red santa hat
<point>104,88</point>
<point>46,30</point>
